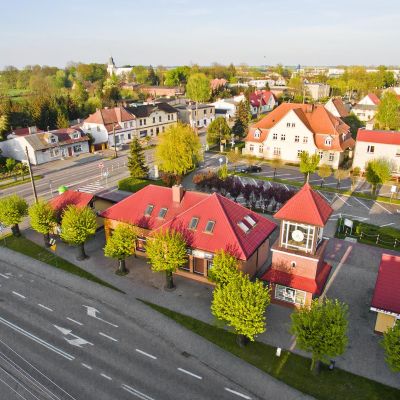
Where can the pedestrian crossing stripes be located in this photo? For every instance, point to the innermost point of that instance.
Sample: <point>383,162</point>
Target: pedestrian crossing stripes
<point>91,187</point>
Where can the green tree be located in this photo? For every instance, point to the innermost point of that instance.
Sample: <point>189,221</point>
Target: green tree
<point>43,219</point>
<point>177,76</point>
<point>242,119</point>
<point>218,130</point>
<point>321,329</point>
<point>276,163</point>
<point>324,171</point>
<point>241,304</point>
<point>378,171</point>
<point>120,245</point>
<point>77,225</point>
<point>355,174</point>
<point>341,174</point>
<point>224,268</point>
<point>141,73</point>
<point>12,211</point>
<point>308,164</point>
<point>178,150</point>
<point>21,169</point>
<point>10,165</point>
<point>166,251</point>
<point>388,113</point>
<point>223,172</point>
<point>136,160</point>
<point>152,78</point>
<point>198,89</point>
<point>391,344</point>
<point>4,125</point>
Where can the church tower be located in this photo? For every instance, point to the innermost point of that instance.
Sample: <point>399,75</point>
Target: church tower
<point>111,66</point>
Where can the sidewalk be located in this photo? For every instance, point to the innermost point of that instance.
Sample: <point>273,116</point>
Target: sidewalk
<point>353,278</point>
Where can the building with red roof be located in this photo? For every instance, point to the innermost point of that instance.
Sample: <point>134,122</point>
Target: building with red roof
<point>209,222</point>
<point>386,298</point>
<point>298,271</point>
<point>336,106</point>
<point>293,128</point>
<point>373,144</point>
<point>367,107</point>
<point>262,101</point>
<point>71,197</point>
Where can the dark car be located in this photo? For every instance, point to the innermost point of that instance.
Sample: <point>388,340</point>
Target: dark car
<point>250,169</point>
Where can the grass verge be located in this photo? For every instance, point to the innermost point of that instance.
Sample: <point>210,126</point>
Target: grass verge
<point>21,182</point>
<point>27,247</point>
<point>135,184</point>
<point>290,368</point>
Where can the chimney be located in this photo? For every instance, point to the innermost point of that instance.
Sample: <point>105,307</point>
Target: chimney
<point>310,108</point>
<point>177,193</point>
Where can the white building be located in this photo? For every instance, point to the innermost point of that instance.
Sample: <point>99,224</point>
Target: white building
<point>372,144</point>
<point>367,107</point>
<point>261,83</point>
<point>46,146</point>
<point>113,70</point>
<point>226,108</point>
<point>189,113</point>
<point>317,90</point>
<point>293,128</point>
<point>334,72</point>
<point>262,101</point>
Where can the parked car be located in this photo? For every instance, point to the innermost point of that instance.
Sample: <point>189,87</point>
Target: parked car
<point>250,169</point>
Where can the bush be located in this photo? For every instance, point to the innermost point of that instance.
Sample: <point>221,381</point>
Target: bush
<point>135,184</point>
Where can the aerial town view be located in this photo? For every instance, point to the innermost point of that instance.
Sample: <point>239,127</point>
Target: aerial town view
<point>199,200</point>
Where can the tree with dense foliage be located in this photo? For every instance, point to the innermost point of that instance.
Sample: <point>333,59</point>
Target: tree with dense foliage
<point>340,174</point>
<point>177,76</point>
<point>120,245</point>
<point>141,73</point>
<point>355,174</point>
<point>224,268</point>
<point>241,304</point>
<point>321,329</point>
<point>166,251</point>
<point>78,224</point>
<point>10,165</point>
<point>242,119</point>
<point>308,164</point>
<point>136,160</point>
<point>12,211</point>
<point>391,344</point>
<point>276,163</point>
<point>4,125</point>
<point>296,84</point>
<point>388,113</point>
<point>218,130</point>
<point>43,219</point>
<point>378,171</point>
<point>324,171</point>
<point>198,89</point>
<point>178,150</point>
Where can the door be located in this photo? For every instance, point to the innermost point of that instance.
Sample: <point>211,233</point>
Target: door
<point>198,266</point>
<point>69,151</point>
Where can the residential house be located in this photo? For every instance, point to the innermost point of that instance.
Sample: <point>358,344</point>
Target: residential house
<point>372,144</point>
<point>367,107</point>
<point>298,272</point>
<point>190,113</point>
<point>226,108</point>
<point>45,146</point>
<point>293,128</point>
<point>262,83</point>
<point>23,132</point>
<point>386,298</point>
<point>317,90</point>
<point>336,107</point>
<point>209,223</point>
<point>262,101</point>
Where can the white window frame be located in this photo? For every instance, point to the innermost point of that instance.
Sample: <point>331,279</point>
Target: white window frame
<point>328,141</point>
<point>305,139</point>
<point>274,136</point>
<point>290,298</point>
<point>331,156</point>
<point>283,137</point>
<point>308,248</point>
<point>297,139</point>
<point>370,149</point>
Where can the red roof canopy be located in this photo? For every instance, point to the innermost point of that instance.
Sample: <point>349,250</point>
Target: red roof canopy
<point>306,206</point>
<point>71,197</point>
<point>387,287</point>
<point>375,136</point>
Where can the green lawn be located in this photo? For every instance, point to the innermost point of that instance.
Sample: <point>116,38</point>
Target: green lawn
<point>135,184</point>
<point>19,182</point>
<point>289,368</point>
<point>33,250</point>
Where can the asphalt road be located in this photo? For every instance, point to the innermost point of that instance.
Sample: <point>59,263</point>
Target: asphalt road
<point>58,344</point>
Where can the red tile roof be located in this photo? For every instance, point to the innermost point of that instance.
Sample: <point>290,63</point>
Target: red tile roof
<point>264,95</point>
<point>316,118</point>
<point>314,286</point>
<point>375,136</point>
<point>110,116</point>
<point>71,197</point>
<point>25,131</point>
<point>374,98</point>
<point>306,206</point>
<point>387,287</point>
<point>340,107</point>
<point>226,214</point>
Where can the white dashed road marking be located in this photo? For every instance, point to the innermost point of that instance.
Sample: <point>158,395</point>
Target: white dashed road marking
<point>45,307</point>
<point>238,394</point>
<point>86,366</point>
<point>189,373</point>
<point>19,295</point>
<point>146,354</point>
<point>106,376</point>
<point>136,392</point>
<point>5,276</point>
<point>108,337</point>
<point>363,204</point>
<point>74,321</point>
<point>379,205</point>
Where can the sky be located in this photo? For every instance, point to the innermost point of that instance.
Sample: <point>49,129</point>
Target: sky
<point>177,32</point>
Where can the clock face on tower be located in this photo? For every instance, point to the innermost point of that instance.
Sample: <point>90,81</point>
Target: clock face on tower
<point>297,235</point>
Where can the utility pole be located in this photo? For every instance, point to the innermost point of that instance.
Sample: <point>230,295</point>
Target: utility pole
<point>115,144</point>
<point>31,175</point>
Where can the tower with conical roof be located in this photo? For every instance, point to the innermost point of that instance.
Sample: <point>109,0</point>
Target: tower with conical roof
<point>298,271</point>
<point>111,66</point>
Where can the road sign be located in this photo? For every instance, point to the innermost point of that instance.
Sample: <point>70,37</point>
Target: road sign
<point>100,165</point>
<point>393,189</point>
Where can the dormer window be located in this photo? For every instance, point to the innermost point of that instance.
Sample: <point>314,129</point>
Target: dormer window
<point>193,223</point>
<point>210,226</point>
<point>162,212</point>
<point>250,220</point>
<point>53,139</point>
<point>243,226</point>
<point>257,134</point>
<point>328,141</point>
<point>149,210</point>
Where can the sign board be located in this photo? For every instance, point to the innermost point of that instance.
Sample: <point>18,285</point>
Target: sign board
<point>348,223</point>
<point>393,189</point>
<point>100,165</point>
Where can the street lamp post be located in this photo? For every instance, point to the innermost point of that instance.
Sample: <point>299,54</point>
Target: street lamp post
<point>31,175</point>
<point>115,144</point>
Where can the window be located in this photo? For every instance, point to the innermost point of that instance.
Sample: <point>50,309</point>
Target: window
<point>260,148</point>
<point>274,136</point>
<point>145,121</point>
<point>277,151</point>
<point>257,133</point>
<point>293,264</point>
<point>89,128</point>
<point>283,136</point>
<point>205,112</point>
<point>321,155</point>
<point>328,141</point>
<point>140,122</point>
<point>305,139</point>
<point>75,136</point>
<point>331,156</point>
<point>125,125</point>
<point>297,139</point>
<point>159,118</point>
<point>293,124</point>
<point>131,124</point>
<point>53,139</point>
<point>210,226</point>
<point>209,264</point>
<point>163,128</point>
<point>54,152</point>
<point>77,148</point>
<point>154,120</point>
<point>143,133</point>
<point>297,236</point>
<point>299,153</point>
<point>290,295</point>
<point>169,117</point>
<point>205,122</point>
<point>129,136</point>
<point>193,223</point>
<point>288,124</point>
<point>251,148</point>
<point>250,220</point>
<point>398,152</point>
<point>370,149</point>
<point>243,226</point>
<point>162,213</point>
<point>149,210</point>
